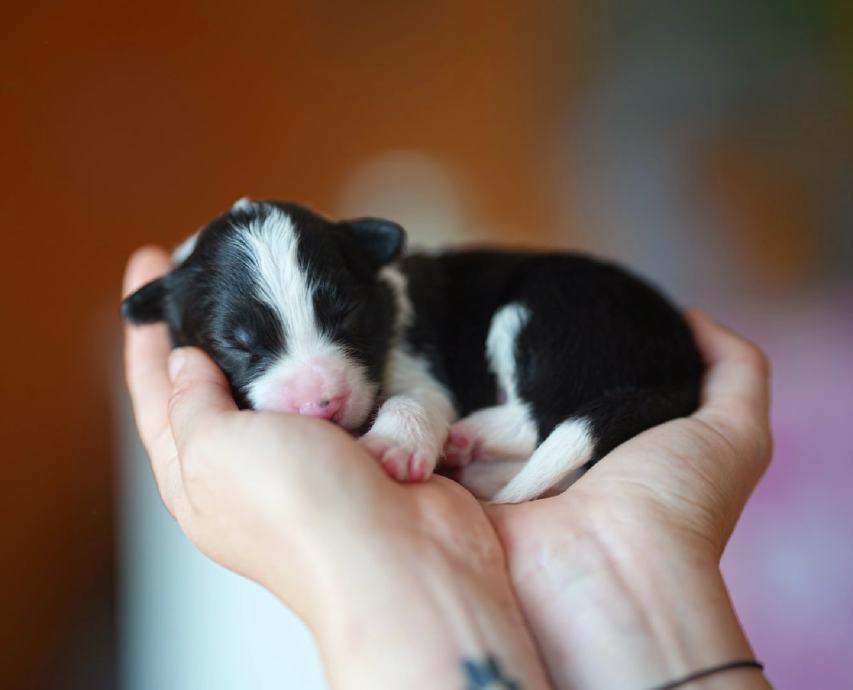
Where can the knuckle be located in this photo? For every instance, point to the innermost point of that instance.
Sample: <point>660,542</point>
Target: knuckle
<point>177,399</point>
<point>754,443</point>
<point>720,438</point>
<point>755,357</point>
<point>764,450</point>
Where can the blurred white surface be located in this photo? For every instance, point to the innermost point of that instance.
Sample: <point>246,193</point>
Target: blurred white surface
<point>185,622</point>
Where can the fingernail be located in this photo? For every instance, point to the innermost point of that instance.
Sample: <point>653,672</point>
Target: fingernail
<point>176,363</point>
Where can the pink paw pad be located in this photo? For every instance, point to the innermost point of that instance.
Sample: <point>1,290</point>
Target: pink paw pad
<point>398,463</point>
<point>459,449</point>
<point>417,469</point>
<point>405,467</point>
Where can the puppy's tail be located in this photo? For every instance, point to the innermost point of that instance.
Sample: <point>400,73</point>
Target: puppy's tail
<point>594,431</point>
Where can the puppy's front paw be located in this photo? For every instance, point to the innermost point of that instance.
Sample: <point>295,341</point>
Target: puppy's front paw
<point>401,461</point>
<point>405,440</point>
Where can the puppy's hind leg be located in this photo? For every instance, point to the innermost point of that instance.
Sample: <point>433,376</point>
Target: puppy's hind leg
<point>485,479</point>
<point>503,432</point>
<point>568,447</point>
<point>596,429</point>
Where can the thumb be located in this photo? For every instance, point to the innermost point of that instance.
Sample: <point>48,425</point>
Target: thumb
<point>200,393</point>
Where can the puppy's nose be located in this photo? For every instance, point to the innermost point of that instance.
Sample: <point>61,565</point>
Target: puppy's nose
<point>321,409</point>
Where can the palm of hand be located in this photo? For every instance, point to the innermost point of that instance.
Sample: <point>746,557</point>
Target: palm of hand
<point>680,486</point>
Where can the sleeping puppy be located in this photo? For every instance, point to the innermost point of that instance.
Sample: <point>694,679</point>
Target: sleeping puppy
<point>515,369</point>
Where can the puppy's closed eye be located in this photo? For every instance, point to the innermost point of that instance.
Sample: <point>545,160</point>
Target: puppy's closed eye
<point>244,339</point>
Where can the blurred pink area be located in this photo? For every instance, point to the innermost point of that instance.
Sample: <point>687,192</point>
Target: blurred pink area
<point>790,562</point>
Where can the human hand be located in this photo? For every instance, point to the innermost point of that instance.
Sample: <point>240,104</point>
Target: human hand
<point>298,506</point>
<point>618,576</point>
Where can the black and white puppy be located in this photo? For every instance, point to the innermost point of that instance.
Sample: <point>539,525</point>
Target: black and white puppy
<point>534,365</point>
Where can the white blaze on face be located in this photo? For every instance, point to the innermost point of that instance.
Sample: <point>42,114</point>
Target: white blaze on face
<point>314,376</point>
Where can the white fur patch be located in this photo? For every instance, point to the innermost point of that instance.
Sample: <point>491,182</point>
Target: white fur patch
<point>568,447</point>
<point>503,432</point>
<point>409,375</point>
<point>499,440</point>
<point>270,245</point>
<point>501,345</point>
<point>184,249</point>
<point>485,479</point>
<point>394,278</point>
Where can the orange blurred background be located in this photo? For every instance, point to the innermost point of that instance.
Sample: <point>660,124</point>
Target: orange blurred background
<point>574,125</point>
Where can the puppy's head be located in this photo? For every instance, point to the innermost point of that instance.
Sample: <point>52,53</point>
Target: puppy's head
<point>298,311</point>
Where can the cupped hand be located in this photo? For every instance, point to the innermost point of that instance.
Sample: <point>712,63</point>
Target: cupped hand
<point>637,540</point>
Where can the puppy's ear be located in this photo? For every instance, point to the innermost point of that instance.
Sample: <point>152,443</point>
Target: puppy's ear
<point>381,240</point>
<point>147,304</point>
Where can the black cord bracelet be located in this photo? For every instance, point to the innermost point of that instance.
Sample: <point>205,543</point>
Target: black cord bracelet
<point>743,663</point>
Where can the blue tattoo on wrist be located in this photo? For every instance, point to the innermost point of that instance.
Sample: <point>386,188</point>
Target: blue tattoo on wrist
<point>487,674</point>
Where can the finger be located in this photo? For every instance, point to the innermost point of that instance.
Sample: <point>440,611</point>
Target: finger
<point>737,380</point>
<point>144,265</point>
<point>200,395</point>
<point>146,353</point>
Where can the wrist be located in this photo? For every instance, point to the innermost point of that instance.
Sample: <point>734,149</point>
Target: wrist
<point>612,611</point>
<point>408,615</point>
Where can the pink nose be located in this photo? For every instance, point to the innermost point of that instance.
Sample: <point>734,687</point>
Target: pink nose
<point>322,409</point>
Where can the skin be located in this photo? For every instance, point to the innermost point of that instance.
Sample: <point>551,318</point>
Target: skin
<point>624,565</point>
<point>617,580</point>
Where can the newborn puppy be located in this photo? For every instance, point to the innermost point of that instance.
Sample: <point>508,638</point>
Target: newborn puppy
<point>517,369</point>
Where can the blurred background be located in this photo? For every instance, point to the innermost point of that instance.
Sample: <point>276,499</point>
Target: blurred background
<point>709,145</point>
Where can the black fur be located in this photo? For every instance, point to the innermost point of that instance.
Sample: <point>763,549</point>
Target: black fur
<point>600,343</point>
